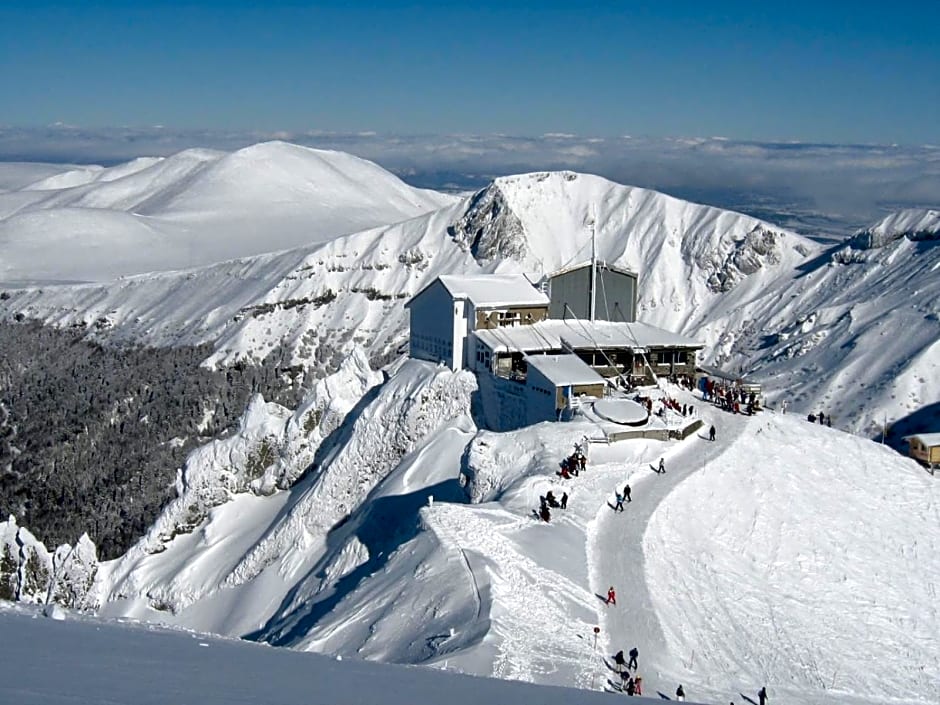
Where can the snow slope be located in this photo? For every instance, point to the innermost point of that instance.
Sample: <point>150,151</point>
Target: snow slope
<point>315,528</point>
<point>69,659</point>
<point>194,208</point>
<point>767,302</point>
<point>783,554</point>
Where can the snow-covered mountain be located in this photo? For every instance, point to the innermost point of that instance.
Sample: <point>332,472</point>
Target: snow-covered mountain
<point>412,539</point>
<point>194,208</point>
<point>913,223</point>
<point>53,656</point>
<point>765,300</point>
<point>376,519</point>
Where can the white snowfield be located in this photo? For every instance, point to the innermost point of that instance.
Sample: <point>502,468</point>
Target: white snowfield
<point>194,208</point>
<point>782,554</point>
<point>64,660</point>
<point>800,319</point>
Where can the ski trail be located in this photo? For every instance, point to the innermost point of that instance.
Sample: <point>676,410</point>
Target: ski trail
<point>616,546</point>
<point>531,606</point>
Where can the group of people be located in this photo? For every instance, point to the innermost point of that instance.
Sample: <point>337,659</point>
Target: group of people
<point>574,464</point>
<point>822,418</point>
<point>548,501</point>
<point>631,683</point>
<point>683,381</point>
<point>729,397</point>
<point>665,403</point>
<point>621,497</point>
<point>684,409</point>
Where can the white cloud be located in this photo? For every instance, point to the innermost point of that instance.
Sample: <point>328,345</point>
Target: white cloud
<point>851,182</point>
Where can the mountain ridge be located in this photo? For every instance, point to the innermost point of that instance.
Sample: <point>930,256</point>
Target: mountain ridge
<point>369,492</point>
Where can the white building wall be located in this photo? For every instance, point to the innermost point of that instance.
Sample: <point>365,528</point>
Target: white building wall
<point>459,334</point>
<point>540,397</point>
<point>434,320</point>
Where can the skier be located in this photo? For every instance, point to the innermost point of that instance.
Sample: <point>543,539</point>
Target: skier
<point>550,498</point>
<point>638,685</point>
<point>662,466</point>
<point>564,500</point>
<point>762,695</point>
<point>545,514</point>
<point>620,661</point>
<point>633,656</point>
<point>611,596</point>
<point>631,687</point>
<point>626,492</point>
<point>784,405</point>
<point>711,433</point>
<point>619,506</point>
<point>680,693</point>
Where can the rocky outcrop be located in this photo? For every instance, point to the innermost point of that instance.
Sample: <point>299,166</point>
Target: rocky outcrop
<point>760,248</point>
<point>29,573</point>
<point>489,229</point>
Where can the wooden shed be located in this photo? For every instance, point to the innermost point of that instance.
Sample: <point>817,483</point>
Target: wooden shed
<point>925,447</point>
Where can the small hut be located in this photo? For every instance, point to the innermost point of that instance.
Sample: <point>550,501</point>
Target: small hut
<point>925,447</point>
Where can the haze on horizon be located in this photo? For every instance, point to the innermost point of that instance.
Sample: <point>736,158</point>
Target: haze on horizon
<point>805,105</point>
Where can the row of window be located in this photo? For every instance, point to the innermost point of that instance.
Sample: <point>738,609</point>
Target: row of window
<point>435,346</point>
<point>670,357</point>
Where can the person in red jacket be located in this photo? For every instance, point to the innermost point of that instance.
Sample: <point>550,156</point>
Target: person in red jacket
<point>638,685</point>
<point>611,596</point>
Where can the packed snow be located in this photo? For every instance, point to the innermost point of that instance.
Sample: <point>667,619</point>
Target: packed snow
<point>69,659</point>
<point>194,208</point>
<point>766,302</point>
<point>378,521</point>
<point>784,554</point>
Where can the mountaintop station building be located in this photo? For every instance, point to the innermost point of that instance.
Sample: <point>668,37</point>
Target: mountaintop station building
<point>448,310</point>
<point>606,293</point>
<point>505,328</point>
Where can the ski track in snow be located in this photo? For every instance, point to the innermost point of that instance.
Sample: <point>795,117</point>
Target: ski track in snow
<point>535,632</point>
<point>616,543</point>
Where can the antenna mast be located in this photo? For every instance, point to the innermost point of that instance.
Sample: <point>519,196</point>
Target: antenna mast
<point>593,263</point>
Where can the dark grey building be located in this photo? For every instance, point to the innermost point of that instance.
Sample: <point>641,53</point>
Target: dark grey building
<point>570,293</point>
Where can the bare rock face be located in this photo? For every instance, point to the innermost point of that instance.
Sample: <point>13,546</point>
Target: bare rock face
<point>760,248</point>
<point>489,229</point>
<point>29,573</point>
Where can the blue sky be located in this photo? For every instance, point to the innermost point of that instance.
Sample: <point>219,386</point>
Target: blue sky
<point>810,71</point>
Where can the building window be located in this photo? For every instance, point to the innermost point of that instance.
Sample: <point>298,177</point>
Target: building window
<point>670,357</point>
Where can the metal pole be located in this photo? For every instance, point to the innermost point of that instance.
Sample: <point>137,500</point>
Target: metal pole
<point>593,264</point>
<point>594,658</point>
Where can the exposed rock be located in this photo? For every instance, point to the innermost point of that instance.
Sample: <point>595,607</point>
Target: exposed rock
<point>489,229</point>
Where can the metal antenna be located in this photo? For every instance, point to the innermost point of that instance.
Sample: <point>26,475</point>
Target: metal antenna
<point>592,221</point>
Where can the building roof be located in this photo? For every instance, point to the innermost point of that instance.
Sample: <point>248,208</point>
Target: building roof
<point>576,334</point>
<point>562,370</point>
<point>485,290</point>
<point>600,265</point>
<point>928,439</point>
